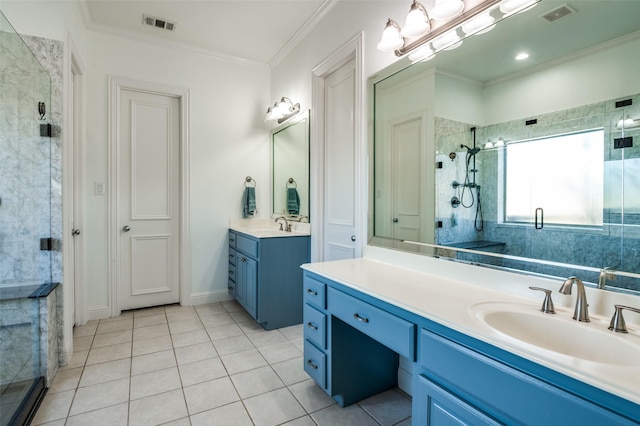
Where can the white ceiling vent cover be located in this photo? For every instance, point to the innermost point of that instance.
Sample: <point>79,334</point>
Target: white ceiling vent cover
<point>558,13</point>
<point>163,24</point>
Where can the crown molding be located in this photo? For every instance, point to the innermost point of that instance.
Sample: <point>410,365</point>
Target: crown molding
<point>297,37</point>
<point>119,32</point>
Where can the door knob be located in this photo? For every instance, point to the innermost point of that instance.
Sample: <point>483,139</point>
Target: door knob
<point>395,220</point>
<point>126,228</point>
<point>75,231</point>
<point>353,238</point>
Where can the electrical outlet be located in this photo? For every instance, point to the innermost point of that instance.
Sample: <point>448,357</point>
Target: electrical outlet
<point>98,188</point>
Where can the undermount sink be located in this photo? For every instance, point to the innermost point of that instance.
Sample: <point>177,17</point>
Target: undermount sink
<point>560,334</point>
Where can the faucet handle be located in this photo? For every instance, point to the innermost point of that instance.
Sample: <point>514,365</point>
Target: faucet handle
<point>547,303</point>
<point>617,323</point>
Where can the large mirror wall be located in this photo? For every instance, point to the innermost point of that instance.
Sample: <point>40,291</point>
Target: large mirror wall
<point>528,162</point>
<point>290,167</point>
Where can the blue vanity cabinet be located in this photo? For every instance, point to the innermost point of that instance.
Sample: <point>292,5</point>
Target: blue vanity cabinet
<point>265,277</point>
<point>351,347</point>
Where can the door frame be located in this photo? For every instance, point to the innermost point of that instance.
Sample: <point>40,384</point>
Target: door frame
<point>116,86</point>
<point>352,49</point>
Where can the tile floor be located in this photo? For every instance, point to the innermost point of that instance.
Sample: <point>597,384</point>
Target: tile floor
<point>203,365</point>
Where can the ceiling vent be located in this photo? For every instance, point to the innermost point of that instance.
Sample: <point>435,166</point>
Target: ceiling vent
<point>558,13</point>
<point>163,24</point>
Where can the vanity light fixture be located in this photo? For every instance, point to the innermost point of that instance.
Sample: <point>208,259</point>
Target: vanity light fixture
<point>627,123</point>
<point>443,27</point>
<point>282,110</point>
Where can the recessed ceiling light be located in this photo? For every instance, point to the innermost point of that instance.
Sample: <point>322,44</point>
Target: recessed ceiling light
<point>522,56</point>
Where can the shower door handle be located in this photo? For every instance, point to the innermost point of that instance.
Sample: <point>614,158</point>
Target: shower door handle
<point>126,228</point>
<point>539,222</point>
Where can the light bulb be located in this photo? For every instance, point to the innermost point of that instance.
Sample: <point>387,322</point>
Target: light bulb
<point>488,145</point>
<point>391,39</point>
<point>417,22</point>
<point>499,142</point>
<point>447,41</point>
<point>422,54</point>
<point>447,9</point>
<point>479,24</point>
<point>509,7</point>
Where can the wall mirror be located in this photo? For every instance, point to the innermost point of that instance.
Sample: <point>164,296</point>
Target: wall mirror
<point>531,165</point>
<point>290,167</point>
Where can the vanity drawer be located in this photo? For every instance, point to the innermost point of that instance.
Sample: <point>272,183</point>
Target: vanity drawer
<point>232,256</point>
<point>315,364</point>
<point>247,246</point>
<point>314,292</point>
<point>232,239</point>
<point>388,329</point>
<point>231,287</point>
<point>232,272</point>
<point>315,326</point>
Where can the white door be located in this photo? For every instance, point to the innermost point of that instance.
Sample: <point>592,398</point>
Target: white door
<point>149,200</point>
<point>340,146</point>
<point>407,197</point>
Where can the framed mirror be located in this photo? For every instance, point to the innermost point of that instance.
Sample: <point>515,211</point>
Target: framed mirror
<point>290,167</point>
<point>530,165</point>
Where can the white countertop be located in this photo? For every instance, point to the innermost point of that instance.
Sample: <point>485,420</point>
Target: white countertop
<point>442,297</point>
<point>267,228</point>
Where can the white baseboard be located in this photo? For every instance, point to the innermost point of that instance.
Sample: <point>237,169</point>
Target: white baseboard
<point>205,297</point>
<point>98,312</point>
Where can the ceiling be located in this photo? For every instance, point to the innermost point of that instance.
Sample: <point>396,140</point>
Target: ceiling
<point>490,57</point>
<point>245,30</point>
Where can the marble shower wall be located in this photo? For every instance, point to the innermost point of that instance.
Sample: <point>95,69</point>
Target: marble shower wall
<point>616,245</point>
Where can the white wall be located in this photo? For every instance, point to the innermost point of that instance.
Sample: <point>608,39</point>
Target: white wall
<point>229,141</point>
<point>39,18</point>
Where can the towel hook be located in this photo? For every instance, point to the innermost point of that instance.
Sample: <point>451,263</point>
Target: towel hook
<point>291,181</point>
<point>248,180</point>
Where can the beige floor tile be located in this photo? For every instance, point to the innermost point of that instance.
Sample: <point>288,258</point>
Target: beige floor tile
<point>109,416</point>
<point>105,372</point>
<point>176,327</point>
<point>149,320</point>
<point>113,326</point>
<point>232,345</point>
<point>100,396</point>
<point>208,395</point>
<point>255,382</point>
<point>301,421</point>
<point>280,352</point>
<point>291,371</point>
<point>152,362</point>
<point>156,344</point>
<point>108,339</point>
<point>180,422</point>
<point>78,359</point>
<point>124,315</point>
<point>293,332</point>
<point>109,353</point>
<point>210,309</point>
<point>311,396</point>
<point>239,316</point>
<point>388,407</point>
<point>157,409</point>
<point>89,329</point>
<point>229,415</point>
<point>224,331</point>
<point>338,416</point>
<point>217,320</point>
<point>201,371</point>
<point>148,312</point>
<point>250,326</point>
<point>54,407</point>
<point>150,332</point>
<point>189,338</point>
<point>195,353</point>
<point>232,306</point>
<point>155,382</point>
<point>82,343</point>
<point>182,315</point>
<point>273,408</point>
<point>264,338</point>
<point>65,380</point>
<point>243,361</point>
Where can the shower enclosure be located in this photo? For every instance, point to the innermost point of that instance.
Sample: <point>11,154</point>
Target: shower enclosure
<point>25,226</point>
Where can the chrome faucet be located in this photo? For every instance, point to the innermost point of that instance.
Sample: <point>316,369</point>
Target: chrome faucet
<point>605,274</point>
<point>303,217</point>
<point>581,312</point>
<point>287,225</point>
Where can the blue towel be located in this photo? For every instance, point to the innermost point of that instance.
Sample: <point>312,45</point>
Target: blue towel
<point>249,201</point>
<point>293,201</point>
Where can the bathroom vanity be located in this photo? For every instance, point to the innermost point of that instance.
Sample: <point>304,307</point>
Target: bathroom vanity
<point>361,315</point>
<point>265,275</point>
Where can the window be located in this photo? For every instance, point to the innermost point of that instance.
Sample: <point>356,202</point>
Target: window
<point>562,174</point>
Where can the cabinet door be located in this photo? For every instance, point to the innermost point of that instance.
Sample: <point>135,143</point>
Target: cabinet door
<point>434,406</point>
<point>247,283</point>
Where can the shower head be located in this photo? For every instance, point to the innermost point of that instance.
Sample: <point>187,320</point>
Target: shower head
<point>471,151</point>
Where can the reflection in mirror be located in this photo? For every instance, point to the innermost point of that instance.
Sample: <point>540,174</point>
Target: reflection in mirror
<point>290,184</point>
<point>533,167</point>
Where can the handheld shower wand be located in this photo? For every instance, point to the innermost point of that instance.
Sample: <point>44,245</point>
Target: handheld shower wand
<point>471,151</point>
